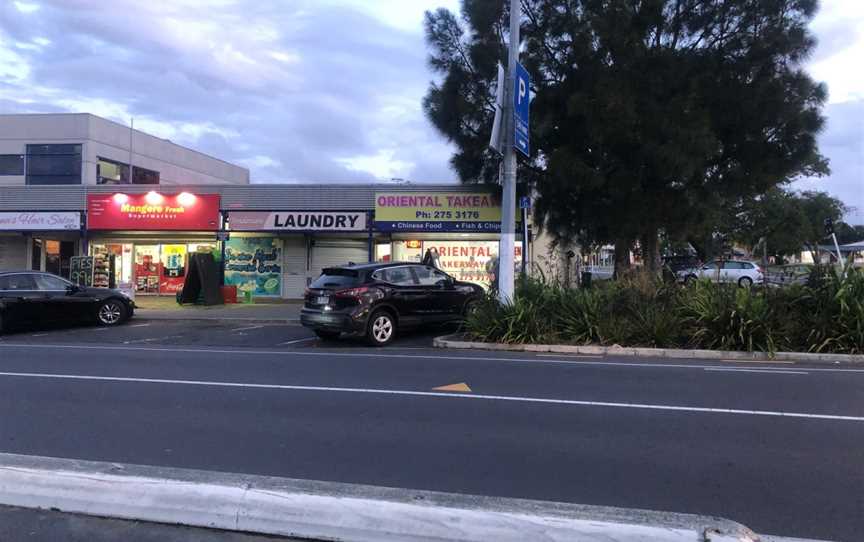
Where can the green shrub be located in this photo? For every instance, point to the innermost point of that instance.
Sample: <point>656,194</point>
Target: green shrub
<point>825,316</point>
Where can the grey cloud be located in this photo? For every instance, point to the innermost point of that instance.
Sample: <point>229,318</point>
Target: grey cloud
<point>843,142</point>
<point>304,115</point>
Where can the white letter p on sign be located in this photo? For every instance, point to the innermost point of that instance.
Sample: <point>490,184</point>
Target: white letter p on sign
<point>522,89</point>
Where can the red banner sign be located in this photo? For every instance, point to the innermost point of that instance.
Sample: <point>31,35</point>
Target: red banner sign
<point>153,211</point>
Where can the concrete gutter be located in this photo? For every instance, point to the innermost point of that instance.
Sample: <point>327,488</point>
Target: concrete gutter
<point>457,342</point>
<point>331,511</point>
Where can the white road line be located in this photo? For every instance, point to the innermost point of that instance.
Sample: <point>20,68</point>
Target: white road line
<point>439,355</point>
<point>140,325</point>
<point>247,328</point>
<point>297,341</point>
<point>764,371</point>
<point>38,334</point>
<point>374,391</point>
<point>570,355</point>
<point>152,339</point>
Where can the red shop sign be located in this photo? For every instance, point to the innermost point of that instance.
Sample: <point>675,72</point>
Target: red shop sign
<point>153,211</point>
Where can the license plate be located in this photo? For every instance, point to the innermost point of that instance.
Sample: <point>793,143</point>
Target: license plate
<point>322,300</point>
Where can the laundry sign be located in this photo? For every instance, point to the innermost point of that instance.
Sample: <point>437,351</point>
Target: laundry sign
<point>297,220</point>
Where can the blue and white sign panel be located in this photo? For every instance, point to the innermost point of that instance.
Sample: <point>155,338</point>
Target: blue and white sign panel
<point>521,103</point>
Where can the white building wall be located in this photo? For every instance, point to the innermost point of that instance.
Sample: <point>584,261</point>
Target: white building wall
<point>103,138</point>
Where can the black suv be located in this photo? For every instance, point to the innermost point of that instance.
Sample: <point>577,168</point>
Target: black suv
<point>378,299</point>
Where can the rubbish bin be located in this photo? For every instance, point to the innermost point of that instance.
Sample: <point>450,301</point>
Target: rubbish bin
<point>247,296</point>
<point>229,294</point>
<point>586,279</point>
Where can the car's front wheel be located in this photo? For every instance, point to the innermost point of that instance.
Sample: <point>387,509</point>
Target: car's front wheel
<point>745,282</point>
<point>690,279</point>
<point>110,313</point>
<point>381,328</point>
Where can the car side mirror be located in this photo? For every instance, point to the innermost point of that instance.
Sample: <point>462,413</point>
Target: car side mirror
<point>73,289</point>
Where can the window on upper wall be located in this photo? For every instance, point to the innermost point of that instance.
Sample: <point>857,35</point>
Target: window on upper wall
<point>53,164</point>
<point>144,176</point>
<point>11,164</point>
<point>111,172</point>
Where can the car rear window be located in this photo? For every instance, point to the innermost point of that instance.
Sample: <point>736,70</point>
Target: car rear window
<point>337,278</point>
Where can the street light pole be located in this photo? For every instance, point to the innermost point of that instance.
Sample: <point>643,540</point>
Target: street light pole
<point>506,247</point>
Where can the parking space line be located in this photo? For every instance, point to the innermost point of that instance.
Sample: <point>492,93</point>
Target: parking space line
<point>140,325</point>
<point>247,328</point>
<point>152,339</point>
<point>297,341</point>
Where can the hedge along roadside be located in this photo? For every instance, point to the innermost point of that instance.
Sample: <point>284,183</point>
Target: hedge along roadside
<point>825,316</point>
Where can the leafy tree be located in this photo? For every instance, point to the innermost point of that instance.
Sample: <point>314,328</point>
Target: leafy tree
<point>787,221</point>
<point>847,233</point>
<point>648,115</point>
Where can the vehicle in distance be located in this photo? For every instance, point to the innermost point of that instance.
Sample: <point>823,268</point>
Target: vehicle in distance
<point>379,300</point>
<point>740,272</point>
<point>34,298</point>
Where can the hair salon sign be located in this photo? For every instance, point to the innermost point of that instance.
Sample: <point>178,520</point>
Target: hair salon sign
<point>40,221</point>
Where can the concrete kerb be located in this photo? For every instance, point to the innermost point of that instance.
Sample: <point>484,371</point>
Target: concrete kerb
<point>331,511</point>
<point>457,342</point>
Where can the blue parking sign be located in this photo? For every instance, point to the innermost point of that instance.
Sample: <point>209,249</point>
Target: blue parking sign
<point>521,103</point>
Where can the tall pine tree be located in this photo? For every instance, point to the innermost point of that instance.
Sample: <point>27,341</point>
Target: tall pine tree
<point>648,115</point>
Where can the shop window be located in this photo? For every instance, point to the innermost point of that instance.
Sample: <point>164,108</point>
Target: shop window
<point>11,164</point>
<point>53,164</point>
<point>111,172</point>
<point>144,176</point>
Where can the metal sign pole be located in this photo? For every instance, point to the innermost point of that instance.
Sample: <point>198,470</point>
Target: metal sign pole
<point>507,244</point>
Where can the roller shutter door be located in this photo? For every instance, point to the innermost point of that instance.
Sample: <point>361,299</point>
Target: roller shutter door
<point>13,253</point>
<point>332,253</point>
<point>293,267</point>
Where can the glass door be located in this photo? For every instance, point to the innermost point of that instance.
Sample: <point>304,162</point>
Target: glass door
<point>147,269</point>
<point>174,266</point>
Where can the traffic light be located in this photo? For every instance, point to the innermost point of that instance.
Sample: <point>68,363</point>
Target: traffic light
<point>829,226</point>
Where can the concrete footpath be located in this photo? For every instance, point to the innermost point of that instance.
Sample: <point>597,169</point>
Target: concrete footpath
<point>332,511</point>
<point>166,308</point>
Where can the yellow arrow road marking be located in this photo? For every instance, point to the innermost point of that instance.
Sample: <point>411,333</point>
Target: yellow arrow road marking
<point>461,387</point>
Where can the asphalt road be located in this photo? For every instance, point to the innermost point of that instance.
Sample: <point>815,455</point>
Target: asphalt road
<point>778,447</point>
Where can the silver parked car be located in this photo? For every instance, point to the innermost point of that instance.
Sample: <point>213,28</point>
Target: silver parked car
<point>742,273</point>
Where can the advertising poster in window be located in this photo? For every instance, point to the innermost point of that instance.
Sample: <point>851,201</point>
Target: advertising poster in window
<point>469,261</point>
<point>173,269</point>
<point>254,264</point>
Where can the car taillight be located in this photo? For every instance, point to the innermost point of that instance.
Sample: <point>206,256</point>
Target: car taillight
<point>351,293</point>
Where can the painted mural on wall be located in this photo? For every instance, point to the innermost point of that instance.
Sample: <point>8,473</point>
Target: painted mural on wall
<point>254,264</point>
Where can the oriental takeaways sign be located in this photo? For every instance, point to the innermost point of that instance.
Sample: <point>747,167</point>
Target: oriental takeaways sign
<point>297,221</point>
<point>437,212</point>
<point>40,221</point>
<point>153,212</point>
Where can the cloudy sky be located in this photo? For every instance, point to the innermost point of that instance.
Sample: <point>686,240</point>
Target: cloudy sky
<point>309,90</point>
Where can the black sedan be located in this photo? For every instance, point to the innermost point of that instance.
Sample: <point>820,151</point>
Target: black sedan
<point>34,298</point>
<point>376,300</point>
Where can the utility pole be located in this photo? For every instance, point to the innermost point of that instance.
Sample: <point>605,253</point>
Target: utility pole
<point>507,244</point>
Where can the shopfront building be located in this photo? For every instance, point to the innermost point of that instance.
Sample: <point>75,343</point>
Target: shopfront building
<point>142,242</point>
<point>460,230</point>
<point>276,239</point>
<point>278,253</point>
<point>39,241</point>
